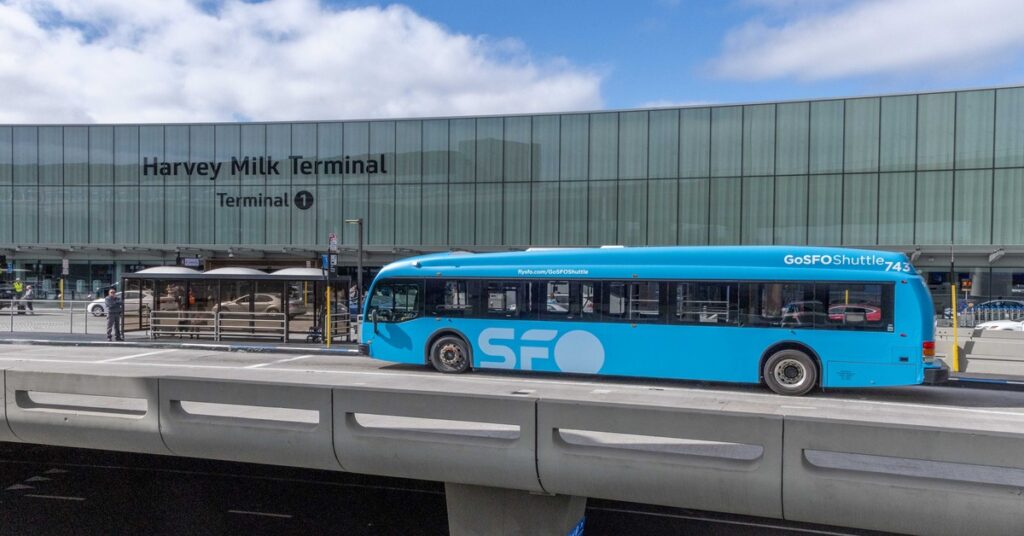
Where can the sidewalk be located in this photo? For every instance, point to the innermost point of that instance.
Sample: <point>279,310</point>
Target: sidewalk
<point>142,341</point>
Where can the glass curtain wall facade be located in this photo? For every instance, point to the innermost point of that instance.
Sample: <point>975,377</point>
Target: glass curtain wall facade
<point>930,169</point>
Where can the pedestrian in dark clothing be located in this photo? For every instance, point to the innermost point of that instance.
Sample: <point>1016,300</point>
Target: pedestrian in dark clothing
<point>27,298</point>
<point>115,308</point>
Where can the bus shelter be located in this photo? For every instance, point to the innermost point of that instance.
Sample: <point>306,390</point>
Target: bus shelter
<point>289,305</point>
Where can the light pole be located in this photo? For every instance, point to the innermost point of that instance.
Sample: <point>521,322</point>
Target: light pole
<point>358,222</point>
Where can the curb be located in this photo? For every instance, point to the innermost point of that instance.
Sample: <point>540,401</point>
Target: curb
<point>348,349</point>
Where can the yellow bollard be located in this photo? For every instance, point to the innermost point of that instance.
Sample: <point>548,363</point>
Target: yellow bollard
<point>327,326</point>
<point>956,330</point>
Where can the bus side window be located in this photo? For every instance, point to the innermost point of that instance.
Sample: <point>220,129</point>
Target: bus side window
<point>557,300</point>
<point>709,302</point>
<point>502,298</point>
<point>451,297</point>
<point>790,305</point>
<point>614,300</point>
<point>857,306</point>
<point>645,301</point>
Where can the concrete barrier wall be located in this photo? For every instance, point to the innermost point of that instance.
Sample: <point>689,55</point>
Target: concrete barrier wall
<point>463,439</point>
<point>74,410</point>
<point>907,479</point>
<point>248,422</point>
<point>913,480</point>
<point>5,430</point>
<point>726,462</point>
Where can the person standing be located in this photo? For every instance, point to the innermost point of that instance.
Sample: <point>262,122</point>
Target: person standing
<point>18,288</point>
<point>115,308</point>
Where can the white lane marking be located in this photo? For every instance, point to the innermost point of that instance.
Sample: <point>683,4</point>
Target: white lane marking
<point>723,521</point>
<point>266,514</point>
<point>133,356</point>
<point>17,487</point>
<point>58,497</point>
<point>280,361</point>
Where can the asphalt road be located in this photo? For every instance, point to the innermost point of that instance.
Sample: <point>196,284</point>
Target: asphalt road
<point>59,491</point>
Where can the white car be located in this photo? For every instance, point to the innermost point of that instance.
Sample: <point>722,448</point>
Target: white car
<point>130,300</point>
<point>1002,325</point>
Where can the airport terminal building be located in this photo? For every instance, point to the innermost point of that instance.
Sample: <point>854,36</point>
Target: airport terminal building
<point>927,174</point>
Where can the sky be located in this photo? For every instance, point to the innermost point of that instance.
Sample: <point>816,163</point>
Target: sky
<point>103,61</point>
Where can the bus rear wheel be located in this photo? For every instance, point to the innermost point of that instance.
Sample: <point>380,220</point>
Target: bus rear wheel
<point>450,354</point>
<point>790,372</point>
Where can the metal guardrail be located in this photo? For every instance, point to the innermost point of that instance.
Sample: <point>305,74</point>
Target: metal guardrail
<point>67,316</point>
<point>218,325</point>
<point>970,317</point>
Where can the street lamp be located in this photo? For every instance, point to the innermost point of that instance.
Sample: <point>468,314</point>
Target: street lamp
<point>358,222</point>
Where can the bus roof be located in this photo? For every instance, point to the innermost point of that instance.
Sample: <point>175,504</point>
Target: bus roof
<point>675,262</point>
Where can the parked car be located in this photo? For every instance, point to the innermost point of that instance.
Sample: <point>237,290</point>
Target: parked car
<point>860,312</point>
<point>98,307</point>
<point>262,303</point>
<point>1002,325</point>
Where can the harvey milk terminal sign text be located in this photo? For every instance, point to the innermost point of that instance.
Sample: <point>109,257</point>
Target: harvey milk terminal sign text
<point>263,165</point>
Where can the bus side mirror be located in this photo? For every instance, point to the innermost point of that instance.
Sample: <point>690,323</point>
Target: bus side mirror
<point>374,319</point>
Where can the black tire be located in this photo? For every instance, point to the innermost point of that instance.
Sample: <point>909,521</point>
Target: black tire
<point>97,310</point>
<point>790,372</point>
<point>450,354</point>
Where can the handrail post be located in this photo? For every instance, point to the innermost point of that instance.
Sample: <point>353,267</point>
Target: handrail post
<point>327,324</point>
<point>216,326</point>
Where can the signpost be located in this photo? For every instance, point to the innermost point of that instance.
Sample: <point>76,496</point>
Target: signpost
<point>329,262</point>
<point>65,270</point>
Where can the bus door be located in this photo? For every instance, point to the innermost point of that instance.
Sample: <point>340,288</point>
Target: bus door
<point>393,304</point>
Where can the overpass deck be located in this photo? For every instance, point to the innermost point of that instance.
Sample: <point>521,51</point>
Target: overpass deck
<point>869,458</point>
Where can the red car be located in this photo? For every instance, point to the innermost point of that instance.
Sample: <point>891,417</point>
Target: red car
<point>852,313</point>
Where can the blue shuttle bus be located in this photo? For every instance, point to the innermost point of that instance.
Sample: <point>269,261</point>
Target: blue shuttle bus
<point>792,318</point>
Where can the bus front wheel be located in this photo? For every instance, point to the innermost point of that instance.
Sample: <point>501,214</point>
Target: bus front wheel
<point>450,354</point>
<point>790,372</point>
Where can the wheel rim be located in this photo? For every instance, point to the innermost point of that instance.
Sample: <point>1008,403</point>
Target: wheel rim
<point>451,356</point>
<point>790,373</point>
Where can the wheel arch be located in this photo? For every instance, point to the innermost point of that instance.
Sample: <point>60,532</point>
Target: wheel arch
<point>441,333</point>
<point>791,345</point>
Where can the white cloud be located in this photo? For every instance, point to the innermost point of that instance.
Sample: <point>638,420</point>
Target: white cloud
<point>870,37</point>
<point>173,60</point>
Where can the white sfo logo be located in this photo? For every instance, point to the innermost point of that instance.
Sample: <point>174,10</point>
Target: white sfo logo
<point>576,351</point>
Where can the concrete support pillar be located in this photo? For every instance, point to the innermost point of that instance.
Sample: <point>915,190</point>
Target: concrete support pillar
<point>481,510</point>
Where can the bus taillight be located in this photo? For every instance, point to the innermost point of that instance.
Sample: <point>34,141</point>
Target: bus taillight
<point>928,349</point>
